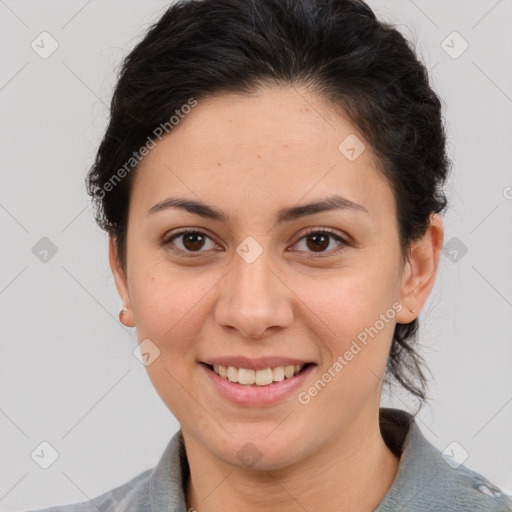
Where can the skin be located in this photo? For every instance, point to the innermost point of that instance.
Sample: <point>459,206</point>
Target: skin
<point>251,155</point>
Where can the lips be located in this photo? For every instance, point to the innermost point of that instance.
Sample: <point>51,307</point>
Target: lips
<point>262,392</point>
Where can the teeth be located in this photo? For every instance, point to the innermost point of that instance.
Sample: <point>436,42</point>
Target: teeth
<point>289,371</point>
<point>264,377</point>
<point>232,374</point>
<point>278,373</point>
<point>246,376</point>
<point>257,377</point>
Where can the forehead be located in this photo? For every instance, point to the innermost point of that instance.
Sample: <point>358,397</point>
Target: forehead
<point>282,145</point>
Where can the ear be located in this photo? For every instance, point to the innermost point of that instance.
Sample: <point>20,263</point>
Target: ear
<point>121,282</point>
<point>420,270</point>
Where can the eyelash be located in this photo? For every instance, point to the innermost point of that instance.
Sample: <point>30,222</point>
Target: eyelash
<point>310,231</point>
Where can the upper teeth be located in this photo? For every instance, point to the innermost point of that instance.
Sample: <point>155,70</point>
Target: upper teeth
<point>258,377</point>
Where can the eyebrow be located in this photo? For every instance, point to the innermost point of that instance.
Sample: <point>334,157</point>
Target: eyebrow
<point>335,202</point>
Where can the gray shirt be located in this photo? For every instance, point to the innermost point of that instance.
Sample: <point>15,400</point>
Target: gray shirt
<point>426,480</point>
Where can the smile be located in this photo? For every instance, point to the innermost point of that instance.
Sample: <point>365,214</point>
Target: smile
<point>262,377</point>
<point>265,385</point>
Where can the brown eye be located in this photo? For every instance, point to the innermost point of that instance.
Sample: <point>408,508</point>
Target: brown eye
<point>193,241</point>
<point>189,242</point>
<point>318,241</point>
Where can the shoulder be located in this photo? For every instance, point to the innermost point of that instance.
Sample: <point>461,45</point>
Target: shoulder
<point>478,492</point>
<point>159,488</point>
<point>464,489</point>
<point>452,485</point>
<point>132,495</point>
<point>429,479</point>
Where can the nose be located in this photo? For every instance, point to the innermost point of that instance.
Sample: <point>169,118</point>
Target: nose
<point>253,299</point>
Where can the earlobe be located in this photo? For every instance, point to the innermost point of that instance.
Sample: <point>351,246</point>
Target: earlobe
<point>421,270</point>
<point>120,279</point>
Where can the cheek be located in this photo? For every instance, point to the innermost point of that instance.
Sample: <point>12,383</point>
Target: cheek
<point>167,305</point>
<point>170,311</point>
<point>350,300</point>
<point>355,319</point>
<point>354,312</point>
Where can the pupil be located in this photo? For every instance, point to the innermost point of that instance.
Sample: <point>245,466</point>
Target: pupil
<point>322,239</point>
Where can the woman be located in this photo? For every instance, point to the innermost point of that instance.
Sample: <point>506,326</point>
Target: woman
<point>271,182</point>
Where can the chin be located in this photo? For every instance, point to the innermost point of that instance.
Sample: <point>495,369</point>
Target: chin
<point>257,452</point>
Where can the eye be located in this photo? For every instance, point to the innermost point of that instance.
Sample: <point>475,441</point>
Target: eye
<point>319,240</point>
<point>190,241</point>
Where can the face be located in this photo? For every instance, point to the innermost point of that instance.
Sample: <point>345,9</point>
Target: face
<point>253,287</point>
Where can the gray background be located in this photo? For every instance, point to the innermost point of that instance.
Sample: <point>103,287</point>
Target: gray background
<point>68,375</point>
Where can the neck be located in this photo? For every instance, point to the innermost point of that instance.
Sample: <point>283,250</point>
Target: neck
<point>352,472</point>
